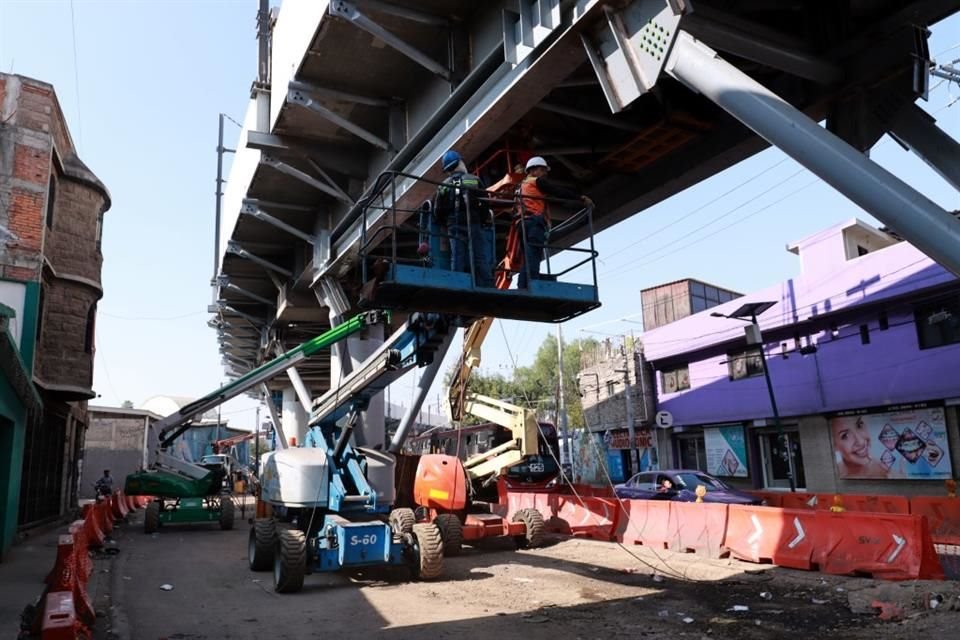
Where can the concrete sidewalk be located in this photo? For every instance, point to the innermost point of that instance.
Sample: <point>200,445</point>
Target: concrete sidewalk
<point>22,573</point>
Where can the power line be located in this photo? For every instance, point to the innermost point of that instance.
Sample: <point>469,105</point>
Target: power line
<point>76,76</point>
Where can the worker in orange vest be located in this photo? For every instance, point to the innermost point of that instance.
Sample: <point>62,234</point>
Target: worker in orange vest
<point>535,213</point>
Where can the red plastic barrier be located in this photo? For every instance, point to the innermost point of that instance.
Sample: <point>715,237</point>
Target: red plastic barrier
<point>118,506</point>
<point>647,522</point>
<point>700,527</point>
<point>787,537</point>
<point>802,500</point>
<point>772,498</point>
<point>889,546</point>
<point>60,619</point>
<point>593,517</point>
<point>874,504</point>
<point>81,550</point>
<point>91,525</point>
<point>943,517</point>
<point>65,576</point>
<point>104,512</point>
<point>132,503</point>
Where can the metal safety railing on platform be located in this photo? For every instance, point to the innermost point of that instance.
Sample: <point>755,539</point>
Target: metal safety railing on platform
<point>411,258</point>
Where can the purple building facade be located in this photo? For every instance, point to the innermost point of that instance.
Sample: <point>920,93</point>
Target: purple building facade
<point>863,351</point>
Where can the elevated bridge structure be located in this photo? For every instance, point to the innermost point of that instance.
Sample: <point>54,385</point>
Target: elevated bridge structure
<point>631,100</point>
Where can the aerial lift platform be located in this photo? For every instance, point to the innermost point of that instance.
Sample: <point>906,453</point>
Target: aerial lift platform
<point>185,492</point>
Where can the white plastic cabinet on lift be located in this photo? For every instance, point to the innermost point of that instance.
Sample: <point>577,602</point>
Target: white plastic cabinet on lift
<point>295,478</point>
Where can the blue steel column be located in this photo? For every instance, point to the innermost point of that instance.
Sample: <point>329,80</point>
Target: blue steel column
<point>924,224</point>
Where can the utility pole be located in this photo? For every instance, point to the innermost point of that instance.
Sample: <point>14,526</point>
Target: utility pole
<point>627,394</point>
<point>561,403</point>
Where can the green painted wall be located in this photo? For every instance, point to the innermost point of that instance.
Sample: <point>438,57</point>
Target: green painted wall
<point>12,432</point>
<point>28,340</point>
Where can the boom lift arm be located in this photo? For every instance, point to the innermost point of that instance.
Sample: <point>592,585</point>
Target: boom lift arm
<point>173,425</point>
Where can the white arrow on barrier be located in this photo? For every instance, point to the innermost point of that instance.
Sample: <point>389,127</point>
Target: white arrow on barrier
<point>801,534</point>
<point>901,543</point>
<point>755,536</point>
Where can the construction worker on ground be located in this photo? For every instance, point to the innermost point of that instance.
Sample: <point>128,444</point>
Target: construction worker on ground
<point>458,206</point>
<point>535,213</point>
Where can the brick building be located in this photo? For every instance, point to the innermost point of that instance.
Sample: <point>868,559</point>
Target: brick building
<point>51,217</point>
<point>616,386</point>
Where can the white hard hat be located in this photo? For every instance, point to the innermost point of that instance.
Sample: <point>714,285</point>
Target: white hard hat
<point>536,161</point>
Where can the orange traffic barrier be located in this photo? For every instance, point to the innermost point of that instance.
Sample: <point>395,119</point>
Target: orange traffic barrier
<point>81,549</point>
<point>803,500</point>
<point>701,527</point>
<point>91,525</point>
<point>876,504</point>
<point>943,517</point>
<point>59,621</point>
<point>118,506</point>
<point>65,576</point>
<point>104,512</point>
<point>771,498</point>
<point>786,537</point>
<point>888,546</point>
<point>592,517</point>
<point>132,504</point>
<point>647,522</point>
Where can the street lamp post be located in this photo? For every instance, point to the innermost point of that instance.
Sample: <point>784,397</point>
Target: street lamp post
<point>748,313</point>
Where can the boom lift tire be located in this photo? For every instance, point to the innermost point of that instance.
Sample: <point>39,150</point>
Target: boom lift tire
<point>402,521</point>
<point>428,563</point>
<point>263,540</point>
<point>290,561</point>
<point>451,532</point>
<point>226,512</point>
<point>151,519</point>
<point>535,526</point>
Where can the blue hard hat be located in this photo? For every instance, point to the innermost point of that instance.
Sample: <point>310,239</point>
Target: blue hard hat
<point>450,160</point>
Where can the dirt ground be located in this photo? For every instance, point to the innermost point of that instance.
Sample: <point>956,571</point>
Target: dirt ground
<point>569,589</point>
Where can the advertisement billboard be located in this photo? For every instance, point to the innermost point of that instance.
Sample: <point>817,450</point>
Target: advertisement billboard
<point>899,443</point>
<point>726,451</point>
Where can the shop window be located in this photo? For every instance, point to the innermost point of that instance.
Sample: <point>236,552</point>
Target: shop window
<point>693,452</point>
<point>745,364</point>
<point>938,323</point>
<point>676,379</point>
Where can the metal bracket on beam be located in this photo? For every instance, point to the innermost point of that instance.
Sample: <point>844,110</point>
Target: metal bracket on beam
<point>332,296</point>
<point>302,99</point>
<point>224,283</point>
<point>251,209</point>
<point>234,247</point>
<point>304,177</point>
<point>348,11</point>
<point>225,307</point>
<point>628,50</point>
<point>334,94</point>
<point>339,193</point>
<point>334,157</point>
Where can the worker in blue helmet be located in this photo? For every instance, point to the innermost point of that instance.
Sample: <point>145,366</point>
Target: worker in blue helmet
<point>469,221</point>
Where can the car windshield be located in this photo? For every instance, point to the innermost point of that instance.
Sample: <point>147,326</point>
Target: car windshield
<point>691,480</point>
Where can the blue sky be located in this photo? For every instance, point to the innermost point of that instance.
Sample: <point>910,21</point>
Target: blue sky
<point>153,76</point>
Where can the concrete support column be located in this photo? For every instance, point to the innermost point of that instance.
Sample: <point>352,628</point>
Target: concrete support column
<point>294,417</point>
<point>372,430</point>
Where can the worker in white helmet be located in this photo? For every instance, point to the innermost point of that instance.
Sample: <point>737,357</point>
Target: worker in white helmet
<point>535,212</point>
